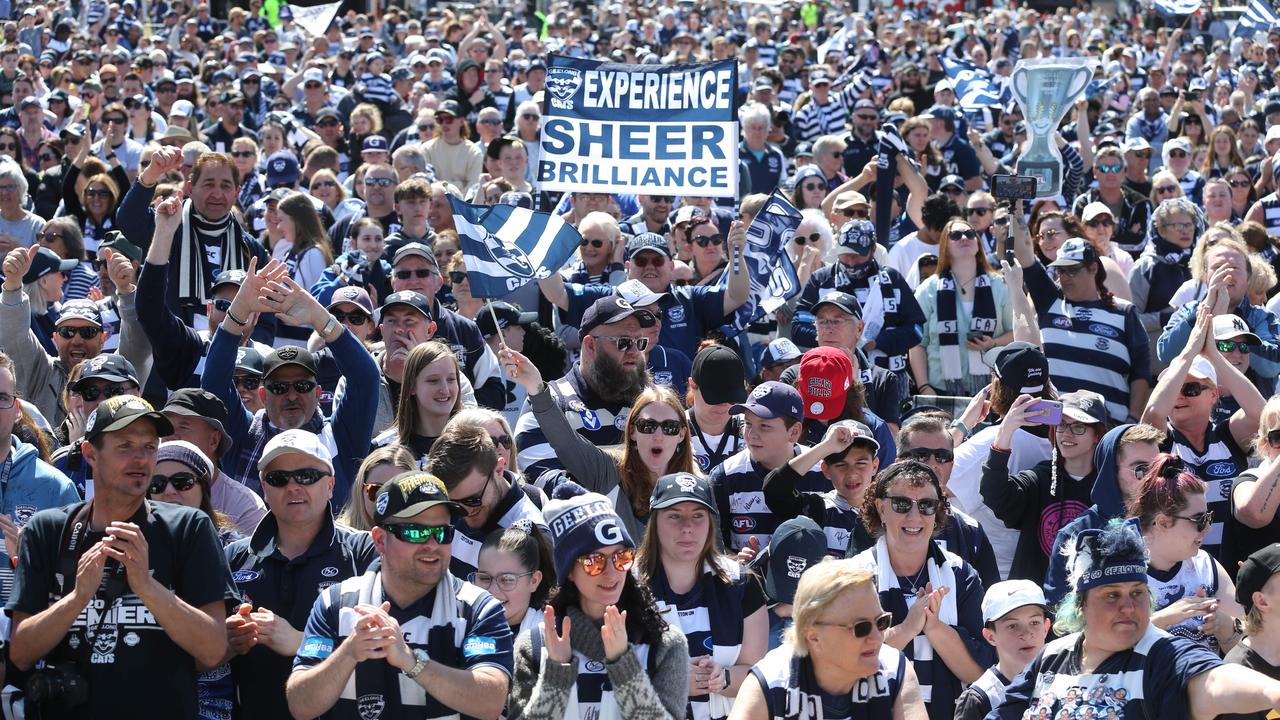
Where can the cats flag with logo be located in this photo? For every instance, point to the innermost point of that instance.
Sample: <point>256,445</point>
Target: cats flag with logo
<point>766,263</point>
<point>506,246</point>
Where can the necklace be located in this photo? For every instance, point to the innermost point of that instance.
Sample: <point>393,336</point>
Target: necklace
<point>918,580</point>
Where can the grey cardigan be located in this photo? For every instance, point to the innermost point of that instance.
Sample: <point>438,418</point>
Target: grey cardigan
<point>543,693</point>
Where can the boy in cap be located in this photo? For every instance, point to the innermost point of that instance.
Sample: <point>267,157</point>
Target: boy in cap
<point>1258,592</point>
<point>1016,624</point>
<point>797,545</point>
<point>718,381</point>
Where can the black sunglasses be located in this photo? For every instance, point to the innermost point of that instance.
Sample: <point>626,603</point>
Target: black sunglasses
<point>812,238</point>
<point>457,276</point>
<point>246,382</point>
<point>1192,389</point>
<point>1201,520</point>
<point>355,317</point>
<point>704,241</point>
<point>420,273</point>
<point>648,426</point>
<point>596,243</point>
<point>958,235</point>
<point>903,505</point>
<point>181,481</point>
<point>939,455</point>
<point>87,333</point>
<point>475,501</point>
<point>302,387</point>
<point>302,476</point>
<point>93,392</point>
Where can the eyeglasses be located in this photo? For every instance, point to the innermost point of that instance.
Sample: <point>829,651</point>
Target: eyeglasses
<point>416,534</point>
<point>813,186</point>
<point>97,193</point>
<point>506,582</point>
<point>48,157</point>
<point>456,276</point>
<point>1144,154</point>
<point>222,304</point>
<point>624,344</point>
<point>706,240</point>
<point>811,238</point>
<point>181,481</point>
<point>92,392</point>
<point>649,426</point>
<point>654,260</point>
<point>958,235</point>
<point>243,153</point>
<point>86,333</point>
<point>378,182</point>
<point>1104,223</point>
<point>1070,270</point>
<point>246,382</point>
<point>1202,520</point>
<point>595,243</point>
<point>475,501</point>
<point>1180,226</point>
<point>302,476</point>
<point>593,564</point>
<point>419,273</point>
<point>327,123</point>
<point>1192,389</point>
<point>529,116</point>
<point>355,317</point>
<point>903,505</point>
<point>862,628</point>
<point>325,184</point>
<point>1177,153</point>
<point>1163,189</point>
<point>302,387</point>
<point>866,116</point>
<point>939,455</point>
<point>7,401</point>
<point>1239,183</point>
<point>490,121</point>
<point>1076,429</point>
<point>953,190</point>
<point>979,211</point>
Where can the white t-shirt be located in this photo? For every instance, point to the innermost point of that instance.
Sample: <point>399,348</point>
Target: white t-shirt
<point>903,256</point>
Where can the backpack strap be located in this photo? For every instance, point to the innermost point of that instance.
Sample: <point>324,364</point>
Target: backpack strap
<point>535,637</point>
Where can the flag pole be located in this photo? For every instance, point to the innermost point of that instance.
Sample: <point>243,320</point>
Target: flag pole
<point>488,302</point>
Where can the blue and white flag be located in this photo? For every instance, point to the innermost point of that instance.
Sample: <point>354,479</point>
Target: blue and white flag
<point>765,260</point>
<point>1258,17</point>
<point>505,246</point>
<point>974,86</point>
<point>1177,8</point>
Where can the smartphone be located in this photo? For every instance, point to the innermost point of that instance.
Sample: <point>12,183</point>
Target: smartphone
<point>1014,187</point>
<point>1044,412</point>
<point>1193,95</point>
<point>1009,256</point>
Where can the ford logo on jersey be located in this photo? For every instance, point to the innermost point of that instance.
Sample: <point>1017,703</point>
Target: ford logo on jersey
<point>1104,330</point>
<point>1220,469</point>
<point>742,523</point>
<point>244,576</point>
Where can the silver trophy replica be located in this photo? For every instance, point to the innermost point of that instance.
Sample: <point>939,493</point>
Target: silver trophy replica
<point>1045,89</point>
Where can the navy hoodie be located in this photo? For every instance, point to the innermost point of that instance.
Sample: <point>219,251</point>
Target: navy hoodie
<point>1107,505</point>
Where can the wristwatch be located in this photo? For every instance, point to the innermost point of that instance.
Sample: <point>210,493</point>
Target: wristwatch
<point>422,660</point>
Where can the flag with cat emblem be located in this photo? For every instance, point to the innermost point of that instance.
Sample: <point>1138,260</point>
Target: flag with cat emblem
<point>505,247</point>
<point>1177,8</point>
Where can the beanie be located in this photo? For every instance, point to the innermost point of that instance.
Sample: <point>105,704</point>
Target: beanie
<point>181,451</point>
<point>581,522</point>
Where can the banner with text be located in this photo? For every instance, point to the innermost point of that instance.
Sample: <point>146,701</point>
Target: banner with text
<point>648,129</point>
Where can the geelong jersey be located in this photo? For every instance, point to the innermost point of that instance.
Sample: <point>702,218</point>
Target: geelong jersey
<point>1271,213</point>
<point>1217,465</point>
<point>1090,347</point>
<point>711,450</point>
<point>1184,579</point>
<point>791,691</point>
<point>515,506</point>
<point>738,485</point>
<point>594,420</point>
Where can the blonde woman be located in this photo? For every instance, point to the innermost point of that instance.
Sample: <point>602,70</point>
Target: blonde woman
<point>378,467</point>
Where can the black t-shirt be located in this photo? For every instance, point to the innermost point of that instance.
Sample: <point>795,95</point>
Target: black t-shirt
<point>126,641</point>
<point>1244,655</point>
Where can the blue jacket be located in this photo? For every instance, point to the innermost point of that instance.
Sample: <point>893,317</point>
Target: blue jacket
<point>1263,360</point>
<point>1107,504</point>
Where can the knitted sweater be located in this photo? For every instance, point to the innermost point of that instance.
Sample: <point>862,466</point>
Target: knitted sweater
<point>545,695</point>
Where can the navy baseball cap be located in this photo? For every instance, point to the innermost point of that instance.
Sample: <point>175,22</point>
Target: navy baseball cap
<point>648,241</point>
<point>409,299</point>
<point>507,314</point>
<point>282,168</point>
<point>797,545</point>
<point>772,399</point>
<point>610,310</point>
<point>374,143</point>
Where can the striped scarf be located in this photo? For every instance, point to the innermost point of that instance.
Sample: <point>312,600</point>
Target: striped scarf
<point>982,322</point>
<point>195,275</point>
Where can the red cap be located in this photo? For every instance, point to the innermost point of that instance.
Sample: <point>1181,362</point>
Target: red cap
<point>826,374</point>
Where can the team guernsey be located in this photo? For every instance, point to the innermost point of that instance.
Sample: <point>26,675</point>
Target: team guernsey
<point>1147,681</point>
<point>1221,461</point>
<point>711,450</point>
<point>457,623</point>
<point>1184,579</point>
<point>738,485</point>
<point>514,507</point>
<point>791,690</point>
<point>1091,347</point>
<point>589,416</point>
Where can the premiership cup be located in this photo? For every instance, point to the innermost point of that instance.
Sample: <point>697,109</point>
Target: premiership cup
<point>1045,89</point>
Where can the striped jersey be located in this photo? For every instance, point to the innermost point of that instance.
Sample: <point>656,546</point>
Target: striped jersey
<point>1271,213</point>
<point>711,450</point>
<point>600,423</point>
<point>1221,461</point>
<point>738,485</point>
<point>1184,579</point>
<point>514,506</point>
<point>1092,347</point>
<point>813,120</point>
<point>791,690</point>
<point>459,625</point>
<point>985,693</point>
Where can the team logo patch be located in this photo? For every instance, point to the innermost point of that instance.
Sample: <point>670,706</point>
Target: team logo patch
<point>663,377</point>
<point>131,639</point>
<point>1104,330</point>
<point>1220,469</point>
<point>479,645</point>
<point>590,420</point>
<point>796,565</point>
<point>329,571</point>
<point>23,513</point>
<point>563,83</point>
<point>1062,322</point>
<point>245,576</point>
<point>287,353</point>
<point>381,504</point>
<point>816,408</point>
<point>104,645</point>
<point>316,647</point>
<point>675,314</point>
<point>686,483</point>
<point>371,706</point>
<point>594,666</point>
<point>511,258</point>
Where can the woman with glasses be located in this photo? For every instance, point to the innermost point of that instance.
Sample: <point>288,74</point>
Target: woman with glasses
<point>62,236</point>
<point>378,467</point>
<point>460,287</point>
<point>142,128</point>
<point>1100,229</point>
<point>809,245</point>
<point>92,198</point>
<point>1165,265</point>
<point>835,649</point>
<point>1195,598</point>
<point>1164,185</point>
<point>1242,193</point>
<point>707,244</point>
<point>934,596</point>
<point>1177,161</point>
<point>429,396</point>
<point>515,567</point>
<point>718,605</point>
<point>49,153</point>
<point>244,153</point>
<point>602,650</point>
<point>965,294</point>
<point>600,254</point>
<point>655,442</point>
<point>325,187</point>
<point>810,188</point>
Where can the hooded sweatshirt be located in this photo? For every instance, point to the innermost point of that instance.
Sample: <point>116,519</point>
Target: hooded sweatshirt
<point>1107,505</point>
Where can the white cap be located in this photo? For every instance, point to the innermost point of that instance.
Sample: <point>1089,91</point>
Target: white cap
<point>296,441</point>
<point>1203,369</point>
<point>637,294</point>
<point>183,108</point>
<point>1094,209</point>
<point>1228,326</point>
<point>1009,595</point>
<point>1273,133</point>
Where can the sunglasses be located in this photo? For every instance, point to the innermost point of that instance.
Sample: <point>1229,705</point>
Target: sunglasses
<point>1202,520</point>
<point>1145,154</point>
<point>706,240</point>
<point>490,121</point>
<point>663,199</point>
<point>222,304</point>
<point>979,211</point>
<point>1110,169</point>
<point>325,184</point>
<point>97,193</point>
<point>181,481</point>
<point>425,128</point>
<point>648,426</point>
<point>243,153</point>
<point>595,243</point>
<point>86,333</point>
<point>378,182</point>
<point>527,116</point>
<point>457,276</point>
<point>1192,389</point>
<point>48,157</point>
<point>475,501</point>
<point>355,317</point>
<point>302,476</point>
<point>93,392</point>
<point>1239,183</point>
<point>446,119</point>
<point>302,387</point>
<point>903,505</point>
<point>1167,189</point>
<point>1002,220</point>
<point>416,534</point>
<point>625,344</point>
<point>1177,153</point>
<point>327,123</point>
<point>655,260</point>
<point>1227,346</point>
<point>1101,223</point>
<point>939,455</point>
<point>593,564</point>
<point>958,235</point>
<point>246,382</point>
<point>419,273</point>
<point>862,628</point>
<point>811,238</point>
<point>506,582</point>
<point>860,214</point>
<point>502,440</point>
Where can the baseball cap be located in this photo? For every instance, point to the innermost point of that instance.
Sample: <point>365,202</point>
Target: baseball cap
<point>507,316</point>
<point>1075,251</point>
<point>327,112</point>
<point>295,442</point>
<point>203,405</point>
<point>121,411</point>
<point>229,277</point>
<point>353,294</point>
<point>449,107</point>
<point>681,487</point>
<point>1006,596</point>
<point>374,143</point>
<point>857,237</point>
<point>862,435</point>
<point>779,351</point>
<point>826,374</point>
<point>1228,327</point>
<point>80,310</point>
<point>1203,369</point>
<point>414,248</point>
<point>115,241</point>
<point>1135,144</point>
<point>282,168</point>
<point>846,302</point>
<point>111,367</point>
<point>45,262</point>
<point>312,75</point>
<point>182,108</point>
<point>772,399</point>
<point>410,299</point>
<point>289,355</point>
<point>249,360</point>
<point>1019,364</point>
<point>1254,573</point>
<point>647,241</point>
<point>720,375</point>
<point>804,149</point>
<point>763,83</point>
<point>951,180</point>
<point>819,77</point>
<point>797,545</point>
<point>850,199</point>
<point>610,310</point>
<point>639,294</point>
<point>1084,406</point>
<point>940,112</point>
<point>410,493</point>
<point>687,213</point>
<point>1094,209</point>
<point>1273,133</point>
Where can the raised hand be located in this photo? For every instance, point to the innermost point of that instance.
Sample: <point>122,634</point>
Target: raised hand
<point>120,270</point>
<point>16,264</point>
<point>293,304</point>
<point>163,161</point>
<point>168,217</point>
<point>838,438</point>
<point>521,370</point>
<point>248,299</point>
<point>614,633</point>
<point>737,238</point>
<point>126,543</point>
<point>557,643</point>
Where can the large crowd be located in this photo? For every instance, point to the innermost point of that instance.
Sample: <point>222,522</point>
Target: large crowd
<point>264,454</point>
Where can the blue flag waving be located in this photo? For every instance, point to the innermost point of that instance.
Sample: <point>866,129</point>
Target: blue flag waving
<point>773,277</point>
<point>1177,8</point>
<point>1258,17</point>
<point>974,86</point>
<point>505,246</point>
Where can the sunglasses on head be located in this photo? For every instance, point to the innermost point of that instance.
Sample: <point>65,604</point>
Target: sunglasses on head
<point>649,426</point>
<point>594,564</point>
<point>625,344</point>
<point>181,481</point>
<point>302,476</point>
<point>85,333</point>
<point>903,505</point>
<point>1192,389</point>
<point>706,240</point>
<point>416,534</point>
<point>419,273</point>
<point>93,392</point>
<point>246,382</point>
<point>939,455</point>
<point>302,387</point>
<point>355,317</point>
<point>862,628</point>
<point>1227,346</point>
<point>1201,520</point>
